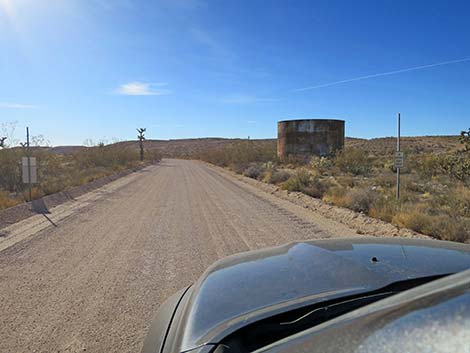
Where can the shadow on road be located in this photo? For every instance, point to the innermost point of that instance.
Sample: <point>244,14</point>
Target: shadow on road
<point>40,207</point>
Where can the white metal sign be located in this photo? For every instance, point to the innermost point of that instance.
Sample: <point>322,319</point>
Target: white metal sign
<point>30,176</point>
<point>398,159</point>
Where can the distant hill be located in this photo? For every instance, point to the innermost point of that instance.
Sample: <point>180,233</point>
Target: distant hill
<point>185,148</point>
<point>65,149</point>
<point>386,145</point>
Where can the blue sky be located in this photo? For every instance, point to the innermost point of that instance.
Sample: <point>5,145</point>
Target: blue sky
<point>79,69</point>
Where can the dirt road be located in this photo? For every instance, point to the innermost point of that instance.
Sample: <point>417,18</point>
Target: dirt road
<point>94,280</point>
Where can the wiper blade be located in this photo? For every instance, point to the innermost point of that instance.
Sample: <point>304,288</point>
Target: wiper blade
<point>329,307</point>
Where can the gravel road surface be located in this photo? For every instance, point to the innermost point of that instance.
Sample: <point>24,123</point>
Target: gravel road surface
<point>93,280</point>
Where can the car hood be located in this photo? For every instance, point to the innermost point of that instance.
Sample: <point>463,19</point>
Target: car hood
<point>434,317</point>
<point>247,287</point>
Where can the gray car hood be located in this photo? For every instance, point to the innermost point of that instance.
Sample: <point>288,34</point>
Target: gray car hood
<point>244,288</point>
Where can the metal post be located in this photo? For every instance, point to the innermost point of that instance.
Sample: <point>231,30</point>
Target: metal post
<point>28,155</point>
<point>398,150</point>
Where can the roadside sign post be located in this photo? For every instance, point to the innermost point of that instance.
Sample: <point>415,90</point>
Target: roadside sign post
<point>29,167</point>
<point>398,159</point>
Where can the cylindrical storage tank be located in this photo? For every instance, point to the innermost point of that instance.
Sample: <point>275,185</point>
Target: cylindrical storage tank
<point>307,137</point>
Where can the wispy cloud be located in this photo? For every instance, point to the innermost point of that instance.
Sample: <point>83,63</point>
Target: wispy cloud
<point>142,89</point>
<point>245,99</point>
<point>17,106</point>
<point>360,78</point>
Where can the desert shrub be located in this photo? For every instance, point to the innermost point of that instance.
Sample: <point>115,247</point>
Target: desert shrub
<point>353,161</point>
<point>360,200</point>
<point>439,226</point>
<point>459,200</point>
<point>384,207</point>
<point>10,169</point>
<point>297,182</point>
<point>457,166</point>
<point>7,201</point>
<point>357,199</point>
<point>112,157</point>
<point>215,156</point>
<point>303,181</point>
<point>56,173</point>
<point>465,139</point>
<point>449,228</point>
<point>412,218</point>
<point>153,156</point>
<point>335,196</point>
<point>239,155</point>
<point>347,181</point>
<point>321,164</point>
<point>254,171</point>
<point>276,176</point>
<point>426,165</point>
<point>60,172</point>
<point>386,180</point>
<point>316,188</point>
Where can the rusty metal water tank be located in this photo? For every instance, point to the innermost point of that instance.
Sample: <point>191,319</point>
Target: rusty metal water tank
<point>307,137</point>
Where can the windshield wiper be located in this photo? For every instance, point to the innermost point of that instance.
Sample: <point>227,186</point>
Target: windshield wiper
<point>332,306</point>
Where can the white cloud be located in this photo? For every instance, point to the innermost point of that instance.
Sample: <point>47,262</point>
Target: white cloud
<point>245,99</point>
<point>142,89</point>
<point>17,106</point>
<point>388,73</point>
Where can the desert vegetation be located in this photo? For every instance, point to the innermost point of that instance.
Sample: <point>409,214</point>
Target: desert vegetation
<point>435,195</point>
<point>58,172</point>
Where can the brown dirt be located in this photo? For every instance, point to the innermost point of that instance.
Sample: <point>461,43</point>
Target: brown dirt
<point>94,280</point>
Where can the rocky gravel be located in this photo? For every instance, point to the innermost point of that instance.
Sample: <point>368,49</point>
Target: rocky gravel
<point>93,280</point>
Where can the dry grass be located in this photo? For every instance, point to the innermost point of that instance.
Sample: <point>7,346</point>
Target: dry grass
<point>6,201</point>
<point>435,182</point>
<point>57,172</point>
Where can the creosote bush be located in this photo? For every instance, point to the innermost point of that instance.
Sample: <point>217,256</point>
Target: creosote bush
<point>254,171</point>
<point>274,176</point>
<point>353,161</point>
<point>306,182</point>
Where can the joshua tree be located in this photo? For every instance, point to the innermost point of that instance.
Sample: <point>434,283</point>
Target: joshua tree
<point>465,139</point>
<point>2,142</point>
<point>141,138</point>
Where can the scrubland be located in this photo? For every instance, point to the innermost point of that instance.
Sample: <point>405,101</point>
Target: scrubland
<point>58,172</point>
<point>435,182</point>
<point>435,192</point>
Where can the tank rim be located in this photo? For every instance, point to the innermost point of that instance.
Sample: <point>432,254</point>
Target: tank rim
<point>300,120</point>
